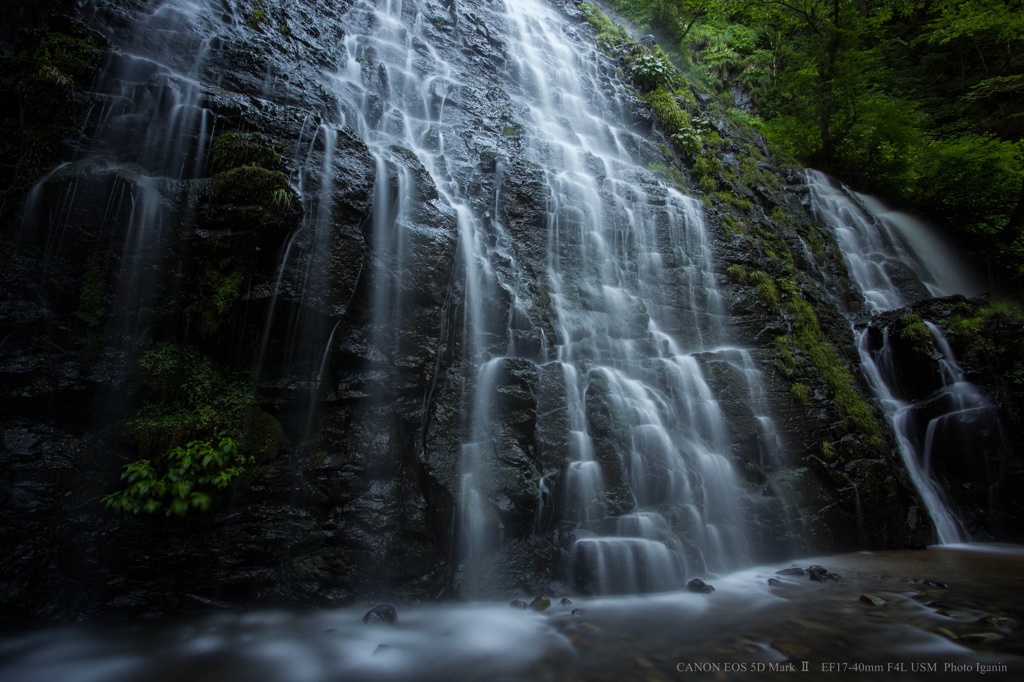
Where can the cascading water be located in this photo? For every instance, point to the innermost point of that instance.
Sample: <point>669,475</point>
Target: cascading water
<point>894,261</point>
<point>629,276</point>
<point>150,131</point>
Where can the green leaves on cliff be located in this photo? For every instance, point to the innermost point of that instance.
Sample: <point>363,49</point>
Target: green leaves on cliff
<point>920,102</point>
<point>185,479</point>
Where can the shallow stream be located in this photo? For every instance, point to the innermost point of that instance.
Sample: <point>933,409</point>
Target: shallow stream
<point>950,612</point>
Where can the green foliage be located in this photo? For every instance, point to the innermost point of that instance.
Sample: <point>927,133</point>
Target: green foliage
<point>972,180</point>
<point>765,286</point>
<point>747,119</point>
<point>188,398</point>
<point>674,120</point>
<point>922,103</point>
<point>187,479</point>
<point>651,70</point>
<point>758,279</point>
<point>218,293</point>
<point>282,197</point>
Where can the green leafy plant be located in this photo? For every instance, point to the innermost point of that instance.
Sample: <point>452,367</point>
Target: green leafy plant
<point>188,397</point>
<point>187,479</point>
<point>282,197</point>
<point>651,70</point>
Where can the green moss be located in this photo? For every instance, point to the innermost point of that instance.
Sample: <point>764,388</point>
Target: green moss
<point>670,172</point>
<point>758,279</point>
<point>674,120</point>
<point>1003,310</point>
<point>765,286</point>
<point>50,69</point>
<point>257,17</point>
<point>784,348</point>
<point>607,30</point>
<point>732,199</point>
<point>808,337</point>
<point>705,172</point>
<point>737,273</point>
<point>234,149</point>
<point>248,186</point>
<point>264,436</point>
<point>915,332</point>
<point>800,392</point>
<point>968,328</point>
<point>218,293</point>
<point>92,307</point>
<point>732,225</point>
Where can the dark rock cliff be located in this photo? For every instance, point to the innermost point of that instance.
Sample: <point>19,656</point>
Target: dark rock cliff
<point>354,434</point>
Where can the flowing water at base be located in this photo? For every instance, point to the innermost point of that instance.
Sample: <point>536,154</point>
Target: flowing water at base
<point>953,611</point>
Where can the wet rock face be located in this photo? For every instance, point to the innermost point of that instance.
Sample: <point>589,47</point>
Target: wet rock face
<point>231,199</point>
<point>964,410</point>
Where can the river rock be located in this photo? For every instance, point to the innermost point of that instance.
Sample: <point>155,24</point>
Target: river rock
<point>698,585</point>
<point>382,613</point>
<point>540,603</point>
<point>821,575</point>
<point>794,570</point>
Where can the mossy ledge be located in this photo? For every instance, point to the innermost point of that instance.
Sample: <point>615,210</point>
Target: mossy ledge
<point>788,287</point>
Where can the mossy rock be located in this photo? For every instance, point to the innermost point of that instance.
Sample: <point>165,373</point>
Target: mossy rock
<point>235,149</point>
<point>186,396</point>
<point>264,436</point>
<point>251,198</point>
<point>47,74</point>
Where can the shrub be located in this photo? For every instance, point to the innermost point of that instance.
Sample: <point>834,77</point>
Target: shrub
<point>188,477</point>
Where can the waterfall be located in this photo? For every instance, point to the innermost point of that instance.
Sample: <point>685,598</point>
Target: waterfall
<point>484,333</point>
<point>895,260</point>
<point>648,482</point>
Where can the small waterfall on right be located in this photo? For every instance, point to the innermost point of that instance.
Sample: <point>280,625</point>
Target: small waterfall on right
<point>895,261</point>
